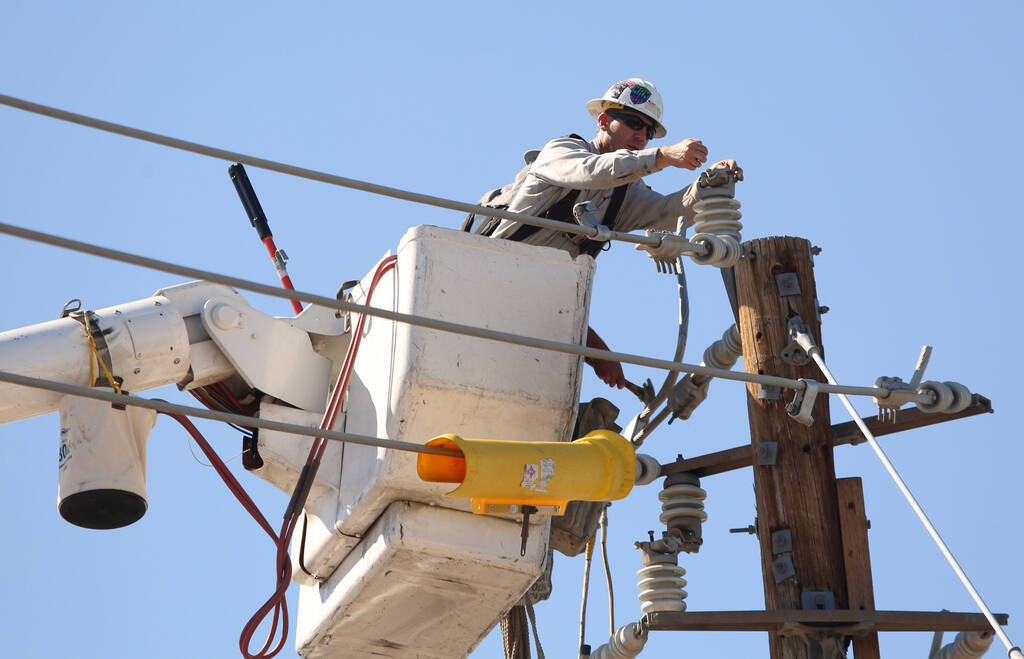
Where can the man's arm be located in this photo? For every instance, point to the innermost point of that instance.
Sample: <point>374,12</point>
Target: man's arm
<point>566,162</point>
<point>610,372</point>
<point>691,154</point>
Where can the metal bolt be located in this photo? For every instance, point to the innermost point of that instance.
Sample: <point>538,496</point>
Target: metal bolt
<point>746,529</point>
<point>815,250</point>
<point>137,371</point>
<point>778,567</point>
<point>822,310</point>
<point>177,360</point>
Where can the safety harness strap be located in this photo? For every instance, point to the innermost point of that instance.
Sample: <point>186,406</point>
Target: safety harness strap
<point>561,210</point>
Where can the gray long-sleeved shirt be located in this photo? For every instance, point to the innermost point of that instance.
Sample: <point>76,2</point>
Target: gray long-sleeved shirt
<point>567,163</point>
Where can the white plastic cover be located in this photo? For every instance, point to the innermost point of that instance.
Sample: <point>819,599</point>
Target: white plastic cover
<point>413,384</point>
<point>424,582</point>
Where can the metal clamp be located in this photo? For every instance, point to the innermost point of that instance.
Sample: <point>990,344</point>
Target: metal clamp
<point>718,177</point>
<point>686,396</point>
<point>666,253</point>
<point>801,333</point>
<point>948,397</point>
<point>584,212</point>
<point>900,393</point>
<point>801,344</point>
<point>803,402</point>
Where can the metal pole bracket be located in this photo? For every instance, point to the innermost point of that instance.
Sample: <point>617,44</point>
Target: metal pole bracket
<point>803,402</point>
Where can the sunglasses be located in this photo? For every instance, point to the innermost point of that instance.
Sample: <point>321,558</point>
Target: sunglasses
<point>633,122</point>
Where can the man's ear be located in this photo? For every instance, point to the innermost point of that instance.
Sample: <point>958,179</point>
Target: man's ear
<point>602,122</point>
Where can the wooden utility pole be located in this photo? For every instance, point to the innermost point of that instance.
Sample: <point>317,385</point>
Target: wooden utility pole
<point>857,558</point>
<point>794,473</point>
<point>812,528</point>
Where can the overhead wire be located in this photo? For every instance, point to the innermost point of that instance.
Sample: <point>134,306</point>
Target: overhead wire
<point>277,603</point>
<point>215,415</point>
<point>324,177</point>
<point>438,324</point>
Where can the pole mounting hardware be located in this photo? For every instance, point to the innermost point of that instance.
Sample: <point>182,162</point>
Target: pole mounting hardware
<point>782,541</point>
<point>818,600</point>
<point>766,453</point>
<point>782,568</point>
<point>585,217</point>
<point>797,351</point>
<point>803,403</point>
<point>788,284</point>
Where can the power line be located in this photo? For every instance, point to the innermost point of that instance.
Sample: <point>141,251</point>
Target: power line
<point>436,324</point>
<point>324,177</point>
<point>214,415</point>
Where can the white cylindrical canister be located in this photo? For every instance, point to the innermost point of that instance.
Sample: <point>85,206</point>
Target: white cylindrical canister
<point>102,464</point>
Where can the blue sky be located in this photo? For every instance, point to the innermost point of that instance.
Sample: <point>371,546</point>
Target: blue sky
<point>886,133</point>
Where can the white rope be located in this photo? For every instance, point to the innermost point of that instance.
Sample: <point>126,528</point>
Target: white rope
<point>436,324</point>
<point>815,354</point>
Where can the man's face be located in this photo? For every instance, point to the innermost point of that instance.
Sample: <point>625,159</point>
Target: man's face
<point>621,135</point>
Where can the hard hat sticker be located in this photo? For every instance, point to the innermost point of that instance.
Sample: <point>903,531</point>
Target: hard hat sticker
<point>639,94</point>
<point>537,477</point>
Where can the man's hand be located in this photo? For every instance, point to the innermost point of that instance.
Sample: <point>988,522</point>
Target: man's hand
<point>610,372</point>
<point>688,154</point>
<point>731,165</point>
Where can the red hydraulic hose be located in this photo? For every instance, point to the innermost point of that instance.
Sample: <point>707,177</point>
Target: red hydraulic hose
<point>283,565</point>
<point>277,604</point>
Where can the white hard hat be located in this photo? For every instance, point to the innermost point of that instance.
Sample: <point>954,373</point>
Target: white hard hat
<point>633,94</point>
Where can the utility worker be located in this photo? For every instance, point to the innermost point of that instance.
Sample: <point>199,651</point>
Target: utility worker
<point>608,171</point>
